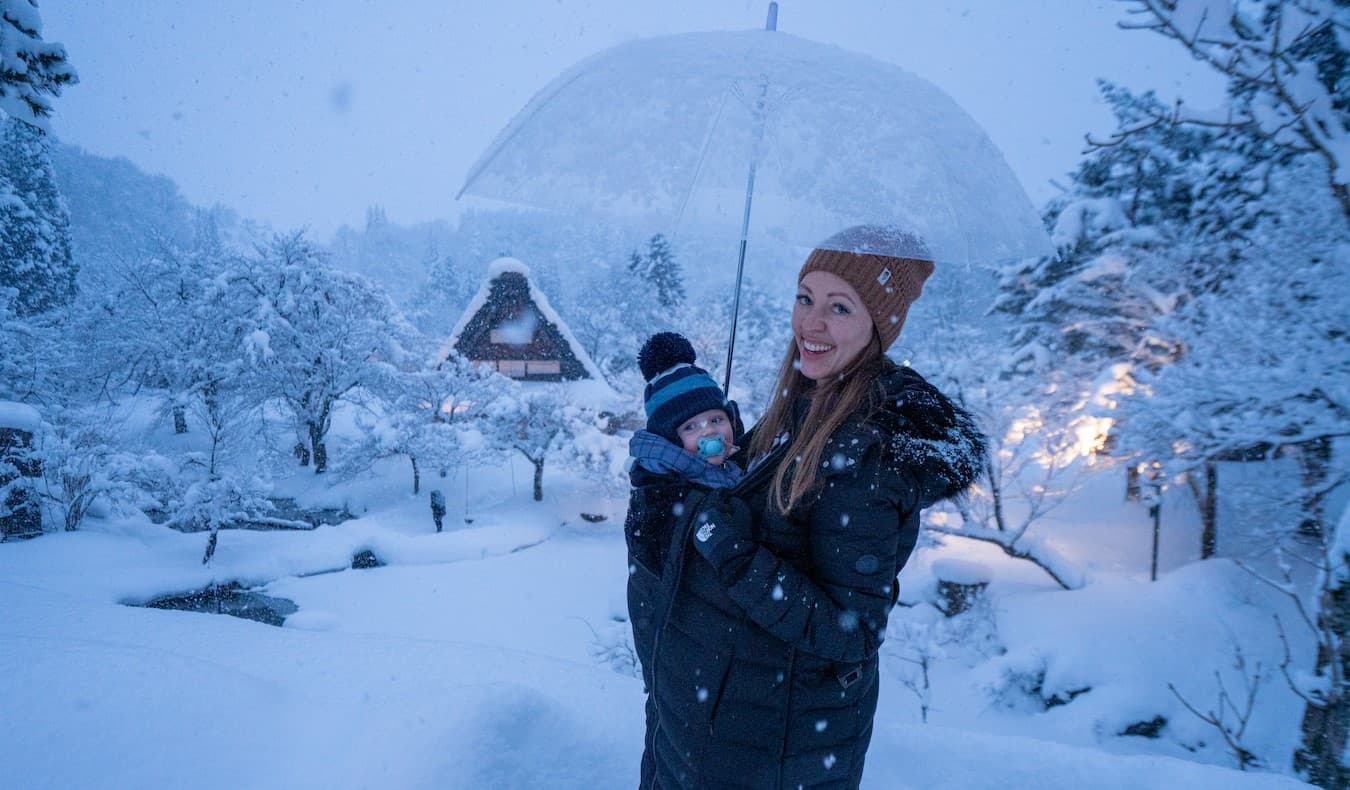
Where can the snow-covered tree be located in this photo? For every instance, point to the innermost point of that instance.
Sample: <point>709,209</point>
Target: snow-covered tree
<point>168,321</point>
<point>1285,64</point>
<point>1121,259</point>
<point>82,464</point>
<point>612,311</point>
<point>597,315</point>
<point>35,251</point>
<point>1264,369</point>
<point>535,422</point>
<point>30,351</point>
<point>436,304</point>
<point>1261,352</point>
<point>32,71</point>
<point>1039,431</point>
<point>435,416</point>
<point>659,271</point>
<point>1162,223</point>
<point>601,454</point>
<point>316,333</point>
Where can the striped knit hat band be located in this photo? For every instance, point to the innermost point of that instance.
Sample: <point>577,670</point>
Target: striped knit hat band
<point>677,389</point>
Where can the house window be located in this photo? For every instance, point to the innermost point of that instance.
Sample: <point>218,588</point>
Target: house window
<point>523,368</point>
<point>543,367</point>
<point>515,368</point>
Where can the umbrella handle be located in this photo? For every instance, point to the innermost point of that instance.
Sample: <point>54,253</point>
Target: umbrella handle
<point>745,218</point>
<point>736,300</point>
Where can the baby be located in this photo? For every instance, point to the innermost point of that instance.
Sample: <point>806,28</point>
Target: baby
<point>683,451</point>
<point>689,428</point>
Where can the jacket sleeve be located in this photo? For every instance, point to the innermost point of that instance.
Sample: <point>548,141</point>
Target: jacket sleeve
<point>838,611</point>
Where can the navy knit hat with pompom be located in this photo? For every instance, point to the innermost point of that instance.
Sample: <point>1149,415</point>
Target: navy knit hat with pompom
<point>677,389</point>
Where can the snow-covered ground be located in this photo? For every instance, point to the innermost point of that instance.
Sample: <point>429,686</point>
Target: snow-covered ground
<point>493,656</point>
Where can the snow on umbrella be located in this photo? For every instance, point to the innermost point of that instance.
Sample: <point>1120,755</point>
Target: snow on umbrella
<point>664,131</point>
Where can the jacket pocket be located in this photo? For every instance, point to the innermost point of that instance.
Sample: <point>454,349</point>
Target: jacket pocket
<point>719,692</point>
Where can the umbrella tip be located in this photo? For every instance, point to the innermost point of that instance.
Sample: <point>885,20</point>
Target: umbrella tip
<point>772,22</point>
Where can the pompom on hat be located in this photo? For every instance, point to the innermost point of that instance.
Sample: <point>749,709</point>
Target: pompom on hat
<point>885,265</point>
<point>677,389</point>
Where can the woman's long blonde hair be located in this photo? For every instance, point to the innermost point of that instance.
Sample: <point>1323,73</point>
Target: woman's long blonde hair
<point>854,390</point>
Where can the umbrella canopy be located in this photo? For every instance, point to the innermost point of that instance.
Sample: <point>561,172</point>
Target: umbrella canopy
<point>662,130</point>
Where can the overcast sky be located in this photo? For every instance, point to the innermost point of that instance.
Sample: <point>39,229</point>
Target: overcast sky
<point>305,112</point>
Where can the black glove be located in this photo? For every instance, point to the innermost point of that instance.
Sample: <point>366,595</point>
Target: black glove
<point>722,529</point>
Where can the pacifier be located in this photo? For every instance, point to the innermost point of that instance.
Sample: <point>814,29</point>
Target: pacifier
<point>710,446</point>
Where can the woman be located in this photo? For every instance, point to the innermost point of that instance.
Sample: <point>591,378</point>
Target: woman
<point>775,595</point>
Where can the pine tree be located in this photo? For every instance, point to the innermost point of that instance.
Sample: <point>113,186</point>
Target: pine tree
<point>31,70</point>
<point>35,250</point>
<point>433,307</point>
<point>637,265</point>
<point>659,270</point>
<point>1122,236</point>
<point>663,271</point>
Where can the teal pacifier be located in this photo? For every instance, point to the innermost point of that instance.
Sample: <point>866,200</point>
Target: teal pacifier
<point>710,446</point>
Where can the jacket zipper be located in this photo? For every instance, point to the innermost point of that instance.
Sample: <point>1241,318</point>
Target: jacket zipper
<point>787,713</point>
<point>721,689</point>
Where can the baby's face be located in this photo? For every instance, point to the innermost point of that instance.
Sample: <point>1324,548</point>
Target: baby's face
<point>713,422</point>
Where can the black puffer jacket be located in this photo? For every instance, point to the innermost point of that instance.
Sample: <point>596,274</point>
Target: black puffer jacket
<point>763,671</point>
<point>656,511</point>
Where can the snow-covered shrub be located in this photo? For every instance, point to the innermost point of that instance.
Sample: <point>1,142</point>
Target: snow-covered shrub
<point>600,454</point>
<point>437,416</point>
<point>612,645</point>
<point>83,467</point>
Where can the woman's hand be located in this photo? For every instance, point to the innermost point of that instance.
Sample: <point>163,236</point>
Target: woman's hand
<point>722,530</point>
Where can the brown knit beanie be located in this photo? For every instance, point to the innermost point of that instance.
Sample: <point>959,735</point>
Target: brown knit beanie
<point>886,266</point>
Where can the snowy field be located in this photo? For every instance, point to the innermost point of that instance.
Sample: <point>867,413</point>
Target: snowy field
<point>493,656</point>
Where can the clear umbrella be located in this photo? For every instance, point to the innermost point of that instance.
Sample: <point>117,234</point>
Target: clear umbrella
<point>681,132</point>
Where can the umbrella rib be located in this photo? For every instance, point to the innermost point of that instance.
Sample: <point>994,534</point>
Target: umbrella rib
<point>518,124</point>
<point>702,157</point>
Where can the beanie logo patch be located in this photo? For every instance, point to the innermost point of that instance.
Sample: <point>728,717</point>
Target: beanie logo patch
<point>884,277</point>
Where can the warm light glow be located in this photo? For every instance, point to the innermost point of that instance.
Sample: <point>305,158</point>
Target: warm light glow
<point>1090,437</point>
<point>450,406</point>
<point>1087,438</point>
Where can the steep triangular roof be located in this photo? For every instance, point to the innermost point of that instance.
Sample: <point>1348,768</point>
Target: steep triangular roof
<point>495,270</point>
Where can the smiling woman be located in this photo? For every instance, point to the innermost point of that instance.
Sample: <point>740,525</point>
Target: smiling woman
<point>764,660</point>
<point>829,324</point>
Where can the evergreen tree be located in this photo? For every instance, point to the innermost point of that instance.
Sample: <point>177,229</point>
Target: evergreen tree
<point>663,271</point>
<point>1259,326</point>
<point>637,265</point>
<point>435,306</point>
<point>31,70</point>
<point>660,271</point>
<point>35,251</point>
<point>1122,236</point>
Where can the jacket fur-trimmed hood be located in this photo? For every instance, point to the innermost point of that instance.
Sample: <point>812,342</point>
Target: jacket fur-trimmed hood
<point>924,435</point>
